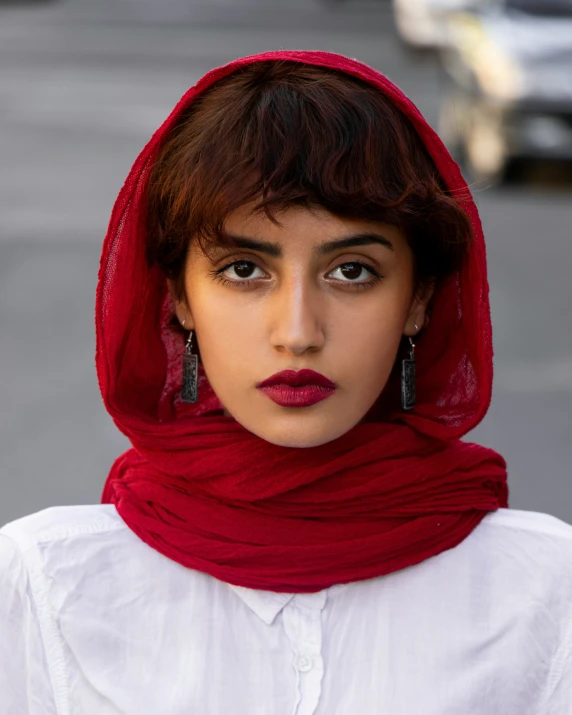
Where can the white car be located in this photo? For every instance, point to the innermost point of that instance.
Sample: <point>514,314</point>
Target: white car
<point>509,99</point>
<point>424,23</point>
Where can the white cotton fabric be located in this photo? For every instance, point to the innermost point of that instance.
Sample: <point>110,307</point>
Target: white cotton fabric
<point>95,622</point>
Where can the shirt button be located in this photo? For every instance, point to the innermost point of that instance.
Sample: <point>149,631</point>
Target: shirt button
<point>304,663</point>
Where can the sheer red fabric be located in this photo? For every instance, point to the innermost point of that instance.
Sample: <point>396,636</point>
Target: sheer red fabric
<point>207,493</point>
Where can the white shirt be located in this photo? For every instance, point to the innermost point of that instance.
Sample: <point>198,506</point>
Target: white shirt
<point>95,622</point>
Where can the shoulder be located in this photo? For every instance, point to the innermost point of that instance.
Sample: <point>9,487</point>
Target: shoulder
<point>525,538</point>
<point>62,522</point>
<point>28,635</point>
<point>539,535</point>
<point>523,570</point>
<point>59,539</point>
<point>513,559</point>
<point>88,550</point>
<point>525,554</point>
<point>530,522</point>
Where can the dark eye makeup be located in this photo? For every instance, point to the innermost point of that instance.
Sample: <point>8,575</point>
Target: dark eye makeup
<point>350,270</point>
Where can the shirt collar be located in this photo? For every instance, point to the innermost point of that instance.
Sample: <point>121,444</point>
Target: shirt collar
<point>266,604</point>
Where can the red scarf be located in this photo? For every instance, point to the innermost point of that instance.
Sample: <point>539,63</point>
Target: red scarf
<point>210,495</point>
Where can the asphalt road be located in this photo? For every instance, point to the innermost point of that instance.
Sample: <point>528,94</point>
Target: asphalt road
<point>82,86</point>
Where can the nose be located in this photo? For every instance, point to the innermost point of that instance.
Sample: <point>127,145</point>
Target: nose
<point>296,317</point>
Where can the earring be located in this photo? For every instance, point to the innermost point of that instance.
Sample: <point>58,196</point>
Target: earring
<point>408,378</point>
<point>190,386</point>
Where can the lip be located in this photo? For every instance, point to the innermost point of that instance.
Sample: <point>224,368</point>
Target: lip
<point>302,388</point>
<point>298,378</point>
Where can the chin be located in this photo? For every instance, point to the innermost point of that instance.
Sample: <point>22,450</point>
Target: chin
<point>297,428</point>
<point>297,442</point>
<point>297,432</point>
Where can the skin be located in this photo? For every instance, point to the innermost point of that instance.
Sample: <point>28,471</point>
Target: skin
<point>301,309</point>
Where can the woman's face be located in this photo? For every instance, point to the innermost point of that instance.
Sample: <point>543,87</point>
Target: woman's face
<point>316,292</point>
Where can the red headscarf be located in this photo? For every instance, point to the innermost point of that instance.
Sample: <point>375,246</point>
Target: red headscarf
<point>210,495</point>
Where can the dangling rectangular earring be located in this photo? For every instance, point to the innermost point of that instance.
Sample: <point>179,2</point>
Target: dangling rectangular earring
<point>190,387</point>
<point>408,379</point>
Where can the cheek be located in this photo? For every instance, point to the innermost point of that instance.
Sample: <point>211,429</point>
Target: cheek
<point>369,338</point>
<point>227,332</point>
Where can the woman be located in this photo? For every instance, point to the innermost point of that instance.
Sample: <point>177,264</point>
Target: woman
<point>298,527</point>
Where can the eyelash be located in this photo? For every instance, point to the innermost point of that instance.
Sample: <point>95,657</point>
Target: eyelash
<point>377,278</point>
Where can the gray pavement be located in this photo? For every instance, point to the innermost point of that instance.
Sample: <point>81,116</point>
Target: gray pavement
<point>82,86</point>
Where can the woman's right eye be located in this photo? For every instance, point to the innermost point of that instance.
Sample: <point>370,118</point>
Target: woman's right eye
<point>241,271</point>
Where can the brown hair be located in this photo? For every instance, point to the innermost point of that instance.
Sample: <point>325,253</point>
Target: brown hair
<point>279,134</point>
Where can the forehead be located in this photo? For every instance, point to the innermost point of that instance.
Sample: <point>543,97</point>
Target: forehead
<point>300,228</point>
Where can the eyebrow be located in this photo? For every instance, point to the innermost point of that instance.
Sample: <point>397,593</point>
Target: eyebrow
<point>275,249</point>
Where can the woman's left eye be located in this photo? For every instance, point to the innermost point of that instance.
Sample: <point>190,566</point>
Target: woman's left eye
<point>354,272</point>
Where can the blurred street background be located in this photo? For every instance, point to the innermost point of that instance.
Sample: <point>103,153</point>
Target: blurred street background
<point>84,83</point>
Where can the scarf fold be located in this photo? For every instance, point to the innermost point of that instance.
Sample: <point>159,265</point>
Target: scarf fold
<point>205,492</point>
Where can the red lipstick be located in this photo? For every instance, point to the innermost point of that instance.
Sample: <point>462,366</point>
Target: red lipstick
<point>302,388</point>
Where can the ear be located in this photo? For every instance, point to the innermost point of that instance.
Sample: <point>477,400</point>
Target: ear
<point>418,311</point>
<point>182,307</point>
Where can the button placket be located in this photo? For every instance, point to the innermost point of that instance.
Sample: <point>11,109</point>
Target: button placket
<point>303,625</point>
<point>304,663</point>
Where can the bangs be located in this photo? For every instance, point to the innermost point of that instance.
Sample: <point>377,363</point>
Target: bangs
<point>280,134</point>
